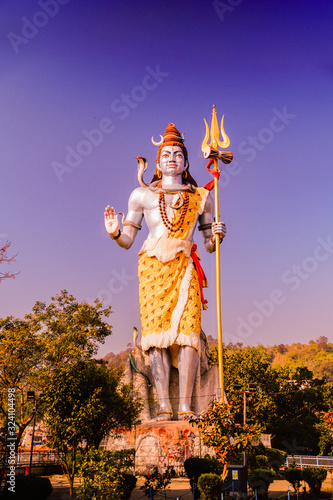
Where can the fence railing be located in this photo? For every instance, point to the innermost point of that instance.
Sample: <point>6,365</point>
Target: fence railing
<point>309,461</point>
<point>40,457</point>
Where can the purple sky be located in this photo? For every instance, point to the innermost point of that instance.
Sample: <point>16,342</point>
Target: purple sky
<point>69,68</point>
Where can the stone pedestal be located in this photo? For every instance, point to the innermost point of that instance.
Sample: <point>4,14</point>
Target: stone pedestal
<point>165,444</point>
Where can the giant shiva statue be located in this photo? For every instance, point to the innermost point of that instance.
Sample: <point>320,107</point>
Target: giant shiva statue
<point>170,276</point>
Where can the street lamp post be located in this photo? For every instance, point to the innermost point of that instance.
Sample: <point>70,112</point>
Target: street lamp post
<point>31,397</point>
<point>251,388</point>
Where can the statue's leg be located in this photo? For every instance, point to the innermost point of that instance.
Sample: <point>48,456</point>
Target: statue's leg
<point>160,364</point>
<point>188,362</point>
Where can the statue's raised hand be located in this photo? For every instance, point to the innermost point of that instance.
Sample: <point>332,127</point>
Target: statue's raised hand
<point>111,221</point>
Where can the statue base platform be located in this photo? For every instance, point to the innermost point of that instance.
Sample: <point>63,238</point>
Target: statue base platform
<point>165,444</point>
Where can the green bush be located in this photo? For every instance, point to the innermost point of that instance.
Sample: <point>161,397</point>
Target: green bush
<point>275,458</point>
<point>210,485</point>
<point>262,461</point>
<point>260,479</point>
<point>196,466</point>
<point>293,476</point>
<point>105,476</point>
<point>314,476</point>
<point>30,488</point>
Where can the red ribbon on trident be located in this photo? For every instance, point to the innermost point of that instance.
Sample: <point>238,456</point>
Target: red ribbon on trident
<point>215,173</point>
<point>203,283</point>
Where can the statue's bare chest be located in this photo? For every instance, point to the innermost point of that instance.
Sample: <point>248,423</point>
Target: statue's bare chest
<point>152,209</point>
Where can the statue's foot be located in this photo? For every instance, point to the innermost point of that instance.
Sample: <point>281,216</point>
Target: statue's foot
<point>162,416</point>
<point>185,415</point>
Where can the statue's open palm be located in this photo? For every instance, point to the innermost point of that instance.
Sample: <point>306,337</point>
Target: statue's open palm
<point>111,221</point>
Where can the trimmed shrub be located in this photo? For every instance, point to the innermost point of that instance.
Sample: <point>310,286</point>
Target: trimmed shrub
<point>293,476</point>
<point>314,476</point>
<point>196,466</point>
<point>262,461</point>
<point>275,458</point>
<point>260,479</point>
<point>210,485</point>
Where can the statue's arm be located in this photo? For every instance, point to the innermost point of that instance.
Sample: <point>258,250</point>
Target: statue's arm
<point>209,228</point>
<point>132,224</point>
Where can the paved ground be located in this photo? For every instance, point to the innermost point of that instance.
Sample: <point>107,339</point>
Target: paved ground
<point>279,489</point>
<point>60,488</point>
<point>179,488</point>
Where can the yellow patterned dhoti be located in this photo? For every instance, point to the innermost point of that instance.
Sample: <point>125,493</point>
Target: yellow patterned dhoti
<point>169,290</point>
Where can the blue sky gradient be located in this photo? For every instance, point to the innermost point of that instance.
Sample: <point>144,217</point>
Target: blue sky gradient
<point>70,68</point>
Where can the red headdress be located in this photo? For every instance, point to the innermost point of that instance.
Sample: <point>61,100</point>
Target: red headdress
<point>172,137</point>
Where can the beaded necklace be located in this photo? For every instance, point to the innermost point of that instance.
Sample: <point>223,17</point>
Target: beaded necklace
<point>171,226</point>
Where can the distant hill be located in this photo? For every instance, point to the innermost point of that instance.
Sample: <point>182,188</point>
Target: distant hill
<point>118,359</point>
<point>317,356</point>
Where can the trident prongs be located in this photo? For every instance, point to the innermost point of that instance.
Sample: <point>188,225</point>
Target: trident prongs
<point>215,134</point>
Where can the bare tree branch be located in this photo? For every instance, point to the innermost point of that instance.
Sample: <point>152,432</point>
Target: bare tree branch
<point>5,258</point>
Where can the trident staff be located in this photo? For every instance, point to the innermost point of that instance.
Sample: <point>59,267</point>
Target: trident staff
<point>211,151</point>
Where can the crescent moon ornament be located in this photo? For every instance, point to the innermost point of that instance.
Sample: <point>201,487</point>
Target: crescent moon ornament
<point>157,143</point>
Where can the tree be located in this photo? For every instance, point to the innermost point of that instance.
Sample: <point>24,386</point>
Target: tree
<point>8,260</point>
<point>69,330</point>
<point>63,332</point>
<point>196,466</point>
<point>314,476</point>
<point>293,476</point>
<point>326,436</point>
<point>286,401</point>
<point>281,348</point>
<point>83,402</point>
<point>20,353</point>
<point>260,479</point>
<point>119,359</point>
<point>250,365</point>
<point>322,342</point>
<point>219,430</point>
<point>295,417</point>
<point>105,475</point>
